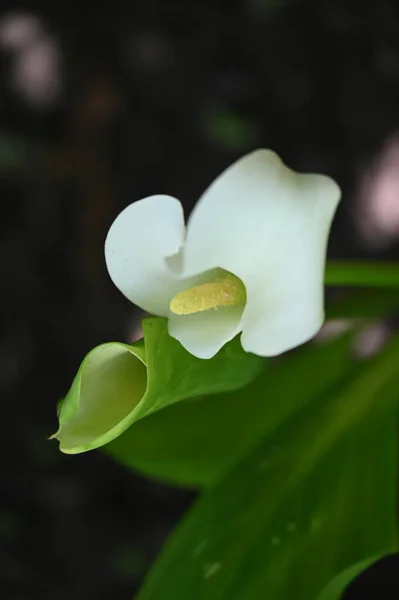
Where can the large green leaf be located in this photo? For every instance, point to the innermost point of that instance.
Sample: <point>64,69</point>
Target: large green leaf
<point>372,274</point>
<point>364,304</point>
<point>118,384</point>
<point>194,442</point>
<point>309,501</point>
<point>335,588</point>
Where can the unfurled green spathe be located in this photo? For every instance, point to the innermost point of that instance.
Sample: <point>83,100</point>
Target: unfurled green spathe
<point>108,387</point>
<point>118,384</point>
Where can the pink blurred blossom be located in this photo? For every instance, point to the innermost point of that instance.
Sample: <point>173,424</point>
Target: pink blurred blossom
<point>371,339</point>
<point>18,30</point>
<point>35,68</point>
<point>334,328</point>
<point>377,211</point>
<point>36,73</point>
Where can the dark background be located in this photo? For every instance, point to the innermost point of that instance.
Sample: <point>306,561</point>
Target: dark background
<point>102,106</point>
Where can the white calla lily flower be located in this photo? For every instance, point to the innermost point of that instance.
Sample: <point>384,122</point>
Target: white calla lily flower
<point>251,258</point>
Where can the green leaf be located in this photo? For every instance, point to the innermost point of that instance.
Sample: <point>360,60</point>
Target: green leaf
<point>228,129</point>
<point>367,304</point>
<point>193,442</point>
<point>309,501</point>
<point>363,274</point>
<point>118,384</point>
<point>335,588</point>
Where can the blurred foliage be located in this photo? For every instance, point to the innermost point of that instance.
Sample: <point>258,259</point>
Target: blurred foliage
<point>230,131</point>
<point>129,562</point>
<point>12,153</point>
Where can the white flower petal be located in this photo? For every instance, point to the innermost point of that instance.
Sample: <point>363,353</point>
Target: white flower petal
<point>285,301</point>
<point>288,312</point>
<point>269,226</point>
<point>138,242</point>
<point>203,334</point>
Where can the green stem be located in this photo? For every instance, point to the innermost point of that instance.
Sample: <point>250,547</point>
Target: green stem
<point>371,274</point>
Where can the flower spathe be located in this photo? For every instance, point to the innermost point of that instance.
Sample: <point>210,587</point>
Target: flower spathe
<point>251,258</point>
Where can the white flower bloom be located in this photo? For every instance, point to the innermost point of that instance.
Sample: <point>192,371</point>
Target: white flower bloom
<point>251,258</point>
